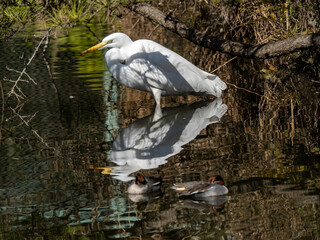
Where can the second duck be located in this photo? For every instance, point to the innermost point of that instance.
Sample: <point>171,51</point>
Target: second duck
<point>200,189</point>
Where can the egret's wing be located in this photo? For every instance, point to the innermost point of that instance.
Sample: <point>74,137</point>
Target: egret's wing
<point>161,67</point>
<point>151,74</point>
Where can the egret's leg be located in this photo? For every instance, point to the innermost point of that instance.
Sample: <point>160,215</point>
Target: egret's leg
<point>156,95</point>
<point>157,114</point>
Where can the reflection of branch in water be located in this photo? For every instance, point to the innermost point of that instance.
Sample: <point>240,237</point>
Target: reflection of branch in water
<point>22,80</point>
<point>15,90</point>
<point>26,122</point>
<point>2,110</point>
<point>44,57</point>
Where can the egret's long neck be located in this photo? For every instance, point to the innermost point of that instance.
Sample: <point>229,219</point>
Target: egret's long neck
<point>114,57</point>
<point>115,62</point>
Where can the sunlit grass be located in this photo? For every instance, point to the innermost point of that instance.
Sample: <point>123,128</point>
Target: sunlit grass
<point>73,12</point>
<point>17,13</point>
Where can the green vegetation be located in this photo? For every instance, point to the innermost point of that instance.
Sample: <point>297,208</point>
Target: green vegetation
<point>15,14</point>
<point>257,21</point>
<point>73,12</point>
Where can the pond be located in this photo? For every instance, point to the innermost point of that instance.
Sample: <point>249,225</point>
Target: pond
<point>76,138</point>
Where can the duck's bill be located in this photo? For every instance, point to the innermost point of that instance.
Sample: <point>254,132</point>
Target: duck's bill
<point>140,177</point>
<point>95,47</point>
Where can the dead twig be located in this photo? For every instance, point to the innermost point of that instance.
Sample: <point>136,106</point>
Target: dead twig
<point>155,28</point>
<point>292,121</point>
<point>223,64</point>
<point>244,89</point>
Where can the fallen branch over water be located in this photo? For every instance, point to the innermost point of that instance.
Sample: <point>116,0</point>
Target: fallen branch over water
<point>263,51</point>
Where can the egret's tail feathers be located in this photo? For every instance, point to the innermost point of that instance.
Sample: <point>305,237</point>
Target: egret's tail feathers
<point>217,85</point>
<point>218,82</point>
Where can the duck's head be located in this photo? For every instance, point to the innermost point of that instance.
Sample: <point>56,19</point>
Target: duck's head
<point>140,179</point>
<point>217,179</point>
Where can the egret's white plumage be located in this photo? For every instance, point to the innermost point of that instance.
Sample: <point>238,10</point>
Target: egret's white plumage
<point>148,66</point>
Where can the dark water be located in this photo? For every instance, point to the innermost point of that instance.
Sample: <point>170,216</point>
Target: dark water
<point>70,146</point>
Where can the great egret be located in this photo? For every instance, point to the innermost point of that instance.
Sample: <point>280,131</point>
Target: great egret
<point>148,66</point>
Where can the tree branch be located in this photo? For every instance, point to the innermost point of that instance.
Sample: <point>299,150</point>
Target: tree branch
<point>263,51</point>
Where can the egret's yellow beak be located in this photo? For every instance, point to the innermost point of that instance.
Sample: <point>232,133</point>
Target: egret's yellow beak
<point>95,47</point>
<point>105,170</point>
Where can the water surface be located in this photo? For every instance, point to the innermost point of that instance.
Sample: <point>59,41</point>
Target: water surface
<point>69,148</point>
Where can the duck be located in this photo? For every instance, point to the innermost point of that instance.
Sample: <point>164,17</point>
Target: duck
<point>200,189</point>
<point>144,184</point>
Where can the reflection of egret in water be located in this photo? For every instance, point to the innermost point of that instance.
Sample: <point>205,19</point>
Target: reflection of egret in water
<point>146,144</point>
